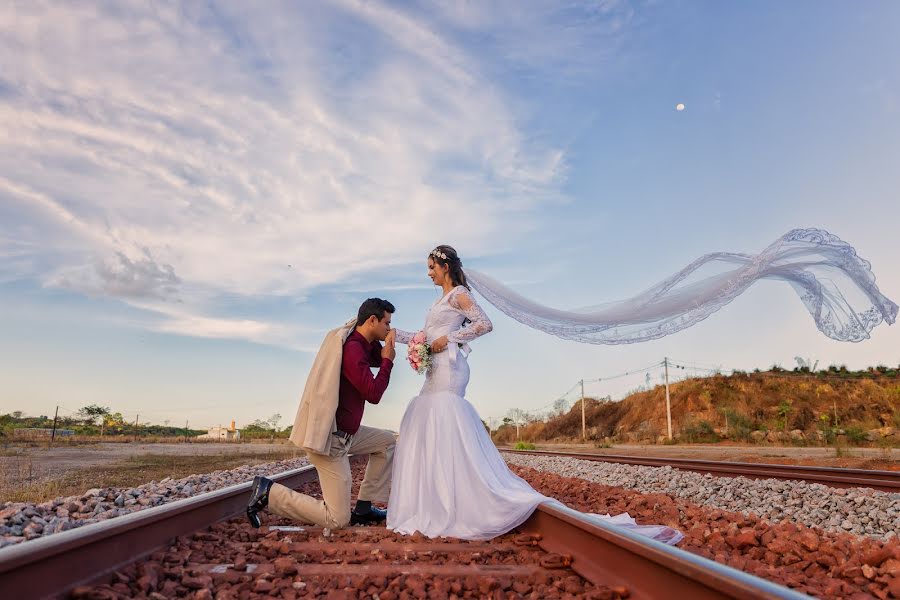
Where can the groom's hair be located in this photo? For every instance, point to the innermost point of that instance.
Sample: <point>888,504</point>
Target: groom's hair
<point>373,307</point>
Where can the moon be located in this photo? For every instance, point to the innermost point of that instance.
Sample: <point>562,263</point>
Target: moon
<point>679,107</point>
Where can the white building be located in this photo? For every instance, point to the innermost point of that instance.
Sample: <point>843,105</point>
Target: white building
<point>220,433</point>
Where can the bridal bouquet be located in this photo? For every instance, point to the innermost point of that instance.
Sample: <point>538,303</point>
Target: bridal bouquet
<point>419,353</point>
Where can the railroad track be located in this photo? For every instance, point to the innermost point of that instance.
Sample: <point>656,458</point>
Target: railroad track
<point>551,547</point>
<point>885,481</point>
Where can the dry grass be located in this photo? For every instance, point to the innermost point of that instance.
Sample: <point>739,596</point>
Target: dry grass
<point>753,401</point>
<point>89,440</point>
<point>19,482</point>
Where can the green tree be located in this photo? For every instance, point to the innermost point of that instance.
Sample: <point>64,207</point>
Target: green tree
<point>273,421</point>
<point>784,409</point>
<point>91,413</point>
<point>113,419</point>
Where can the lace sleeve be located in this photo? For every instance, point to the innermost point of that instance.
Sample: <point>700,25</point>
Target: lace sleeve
<point>479,323</point>
<point>403,337</point>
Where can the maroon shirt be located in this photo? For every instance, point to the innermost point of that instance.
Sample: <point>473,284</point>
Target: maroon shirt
<point>358,385</point>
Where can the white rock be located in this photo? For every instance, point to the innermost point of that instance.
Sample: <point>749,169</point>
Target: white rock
<point>855,510</point>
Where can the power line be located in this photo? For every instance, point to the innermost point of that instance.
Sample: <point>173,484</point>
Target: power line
<point>624,374</point>
<point>700,367</point>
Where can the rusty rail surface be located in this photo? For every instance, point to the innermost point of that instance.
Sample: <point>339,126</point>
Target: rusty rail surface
<point>49,566</point>
<point>650,569</point>
<point>885,481</point>
<point>601,553</point>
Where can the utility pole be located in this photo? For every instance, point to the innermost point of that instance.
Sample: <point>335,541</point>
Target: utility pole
<point>668,402</point>
<point>136,420</point>
<point>583,421</point>
<point>185,431</point>
<point>55,416</point>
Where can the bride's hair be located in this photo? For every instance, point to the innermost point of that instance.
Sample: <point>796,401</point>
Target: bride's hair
<point>447,256</point>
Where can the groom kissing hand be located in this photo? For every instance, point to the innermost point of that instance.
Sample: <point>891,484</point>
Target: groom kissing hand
<point>328,427</point>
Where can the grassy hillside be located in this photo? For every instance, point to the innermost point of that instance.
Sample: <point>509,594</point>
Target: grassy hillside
<point>798,407</point>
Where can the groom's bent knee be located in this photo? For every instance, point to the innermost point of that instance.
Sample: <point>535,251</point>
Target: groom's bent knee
<point>337,519</point>
<point>389,440</point>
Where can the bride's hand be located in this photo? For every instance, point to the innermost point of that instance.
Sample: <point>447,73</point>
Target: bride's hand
<point>439,345</point>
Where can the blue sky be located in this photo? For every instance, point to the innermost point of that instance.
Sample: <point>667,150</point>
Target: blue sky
<point>191,195</point>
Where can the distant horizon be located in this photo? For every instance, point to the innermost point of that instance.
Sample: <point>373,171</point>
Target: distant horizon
<point>286,421</point>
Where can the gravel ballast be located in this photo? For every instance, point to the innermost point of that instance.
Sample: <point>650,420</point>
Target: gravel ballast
<point>859,511</point>
<point>23,521</point>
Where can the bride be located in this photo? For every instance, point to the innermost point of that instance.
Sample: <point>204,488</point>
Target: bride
<point>449,479</point>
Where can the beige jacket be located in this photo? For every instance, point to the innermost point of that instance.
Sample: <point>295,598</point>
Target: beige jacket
<point>315,419</point>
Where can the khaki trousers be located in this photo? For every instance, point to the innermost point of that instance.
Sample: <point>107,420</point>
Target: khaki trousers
<point>333,511</point>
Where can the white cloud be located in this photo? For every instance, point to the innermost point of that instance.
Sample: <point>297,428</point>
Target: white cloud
<point>157,151</point>
<point>553,38</point>
<point>123,277</point>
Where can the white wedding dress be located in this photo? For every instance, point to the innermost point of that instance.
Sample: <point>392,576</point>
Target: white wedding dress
<point>449,479</point>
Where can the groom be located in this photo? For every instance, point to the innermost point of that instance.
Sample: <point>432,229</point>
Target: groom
<point>328,426</point>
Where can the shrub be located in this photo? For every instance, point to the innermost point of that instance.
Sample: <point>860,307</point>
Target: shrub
<point>701,431</point>
<point>803,419</point>
<point>524,446</point>
<point>855,435</point>
<point>739,426</point>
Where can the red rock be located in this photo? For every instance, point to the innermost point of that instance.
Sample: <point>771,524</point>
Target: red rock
<point>890,566</point>
<point>197,583</point>
<point>809,540</point>
<point>285,566</point>
<point>790,558</point>
<point>744,539</point>
<point>168,588</point>
<point>879,556</point>
<point>521,587</point>
<point>780,545</point>
<point>486,585</point>
<point>826,560</point>
<point>893,586</point>
<point>573,585</point>
<point>262,586</point>
<point>878,591</point>
<point>852,572</point>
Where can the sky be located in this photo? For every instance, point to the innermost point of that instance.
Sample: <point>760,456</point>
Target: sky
<point>192,194</point>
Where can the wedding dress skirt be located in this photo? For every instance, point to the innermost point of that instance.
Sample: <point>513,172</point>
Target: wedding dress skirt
<point>449,480</point>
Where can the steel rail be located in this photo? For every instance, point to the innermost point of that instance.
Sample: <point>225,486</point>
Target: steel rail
<point>610,555</point>
<point>49,566</point>
<point>885,481</point>
<point>603,554</point>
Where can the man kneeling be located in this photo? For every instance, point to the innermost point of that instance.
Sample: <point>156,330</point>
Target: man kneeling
<point>328,426</point>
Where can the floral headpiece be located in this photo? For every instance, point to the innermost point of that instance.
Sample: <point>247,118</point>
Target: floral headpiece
<point>438,254</point>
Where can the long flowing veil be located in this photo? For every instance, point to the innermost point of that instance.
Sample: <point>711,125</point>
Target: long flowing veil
<point>836,285</point>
